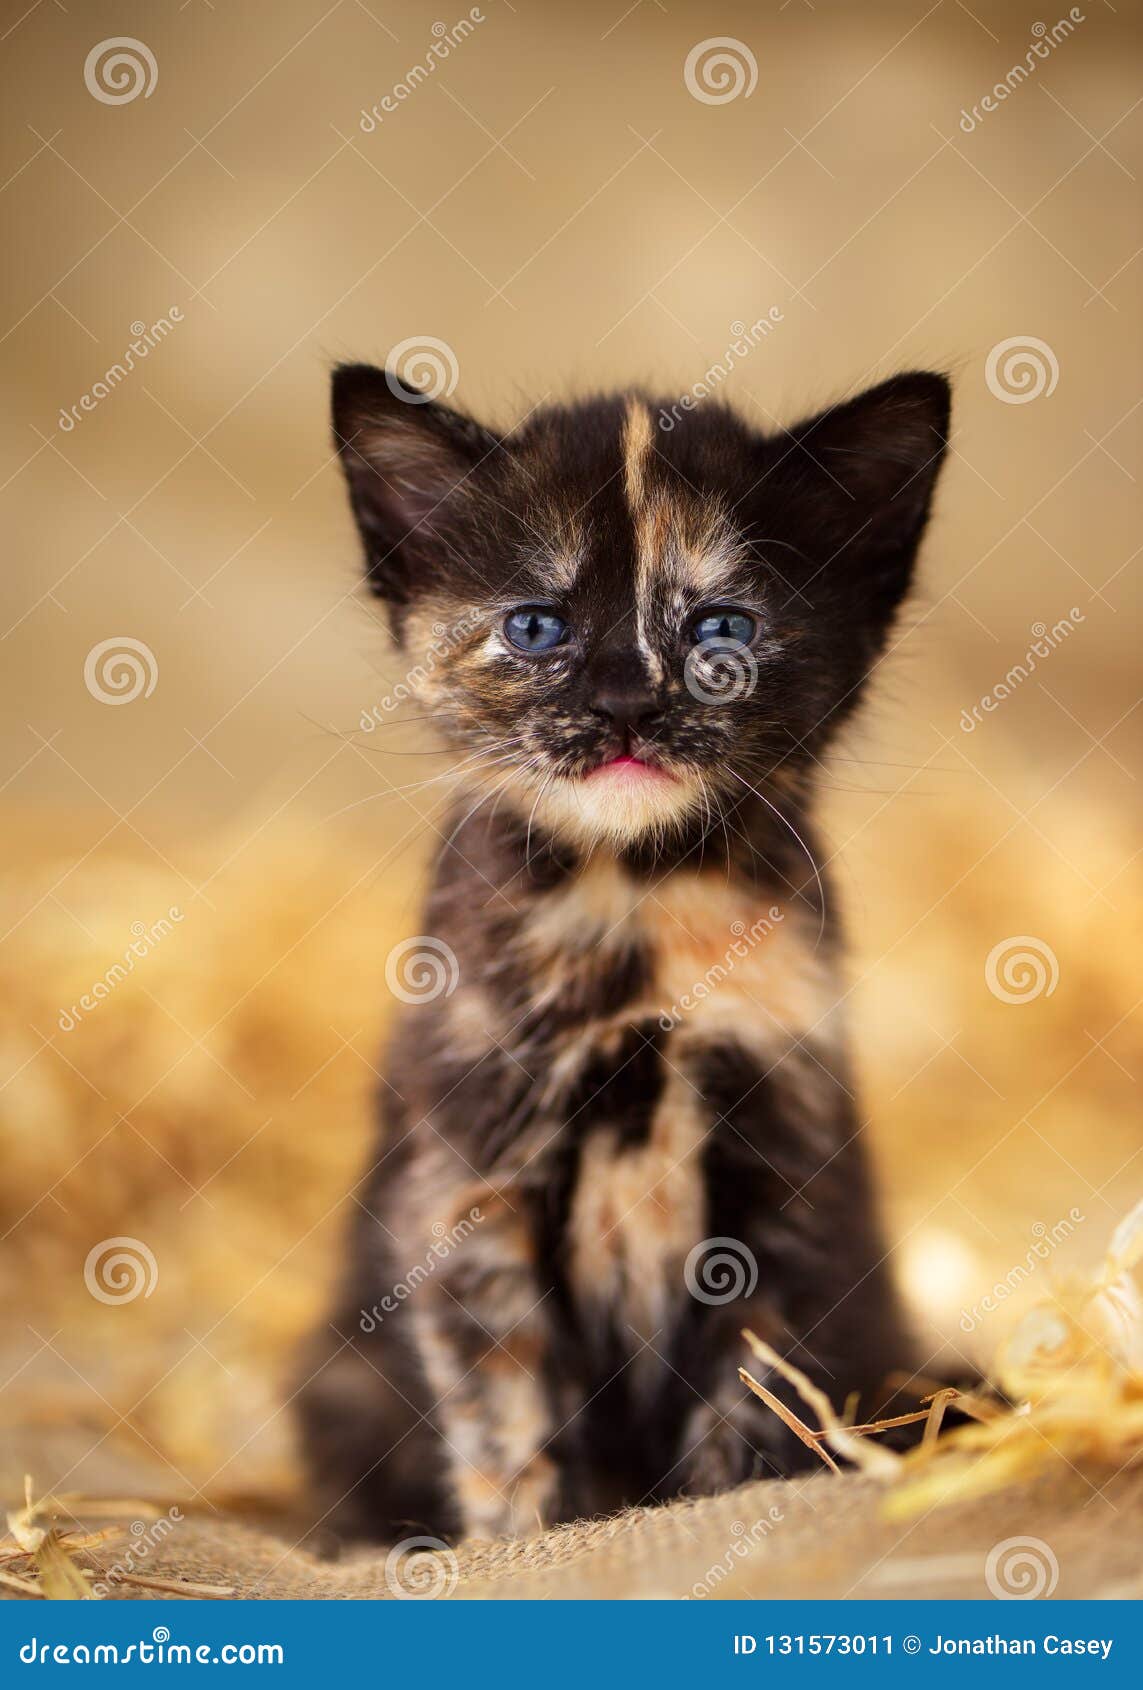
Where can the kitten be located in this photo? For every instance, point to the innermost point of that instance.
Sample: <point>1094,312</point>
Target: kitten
<point>624,1127</point>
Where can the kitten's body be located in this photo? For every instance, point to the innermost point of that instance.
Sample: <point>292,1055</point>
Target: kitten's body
<point>631,1117</point>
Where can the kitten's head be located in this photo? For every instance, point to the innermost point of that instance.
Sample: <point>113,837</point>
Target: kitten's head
<point>622,623</point>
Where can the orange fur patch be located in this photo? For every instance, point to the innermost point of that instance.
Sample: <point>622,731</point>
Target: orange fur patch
<point>637,1212</point>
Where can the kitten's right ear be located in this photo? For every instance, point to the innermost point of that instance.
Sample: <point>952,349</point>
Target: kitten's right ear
<point>405,456</point>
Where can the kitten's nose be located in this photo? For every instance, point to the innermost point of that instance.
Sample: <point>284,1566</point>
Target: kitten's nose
<point>624,695</point>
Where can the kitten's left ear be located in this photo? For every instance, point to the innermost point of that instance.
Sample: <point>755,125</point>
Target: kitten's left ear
<point>405,457</point>
<point>871,464</point>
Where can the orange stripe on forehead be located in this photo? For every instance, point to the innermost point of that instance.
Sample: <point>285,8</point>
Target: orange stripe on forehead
<point>679,535</point>
<point>684,541</point>
<point>637,438</point>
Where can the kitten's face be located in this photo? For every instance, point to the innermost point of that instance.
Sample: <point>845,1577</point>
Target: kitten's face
<point>624,627</point>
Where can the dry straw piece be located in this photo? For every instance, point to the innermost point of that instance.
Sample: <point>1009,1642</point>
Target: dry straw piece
<point>53,1562</point>
<point>46,1551</point>
<point>1072,1372</point>
<point>1073,1368</point>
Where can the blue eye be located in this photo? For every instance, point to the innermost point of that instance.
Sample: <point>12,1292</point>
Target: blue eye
<point>532,628</point>
<point>733,627</point>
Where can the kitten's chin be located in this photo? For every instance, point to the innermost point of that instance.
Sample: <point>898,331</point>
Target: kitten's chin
<point>617,805</point>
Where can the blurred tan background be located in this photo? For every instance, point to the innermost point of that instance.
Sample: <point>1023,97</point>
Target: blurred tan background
<point>556,205</point>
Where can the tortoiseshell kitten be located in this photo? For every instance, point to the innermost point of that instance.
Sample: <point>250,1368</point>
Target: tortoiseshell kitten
<point>629,1111</point>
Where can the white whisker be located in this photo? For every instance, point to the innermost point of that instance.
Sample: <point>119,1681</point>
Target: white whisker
<point>788,824</point>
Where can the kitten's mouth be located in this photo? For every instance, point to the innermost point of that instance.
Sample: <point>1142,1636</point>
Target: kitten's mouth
<point>629,767</point>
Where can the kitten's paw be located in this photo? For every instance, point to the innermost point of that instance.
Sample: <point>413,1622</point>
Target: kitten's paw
<point>719,1455</point>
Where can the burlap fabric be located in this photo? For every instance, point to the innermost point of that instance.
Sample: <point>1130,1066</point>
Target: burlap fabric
<point>823,1536</point>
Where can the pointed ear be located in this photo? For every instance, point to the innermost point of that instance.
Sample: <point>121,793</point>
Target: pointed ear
<point>871,464</point>
<point>406,458</point>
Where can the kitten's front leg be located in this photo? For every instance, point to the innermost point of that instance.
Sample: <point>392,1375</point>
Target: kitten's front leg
<point>481,1327</point>
<point>795,1255</point>
<point>729,1436</point>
